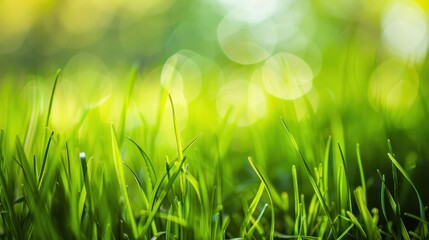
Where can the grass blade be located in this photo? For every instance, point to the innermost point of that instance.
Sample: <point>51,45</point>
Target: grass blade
<point>45,157</point>
<point>148,166</point>
<point>424,230</point>
<point>250,210</point>
<point>361,173</point>
<point>372,231</point>
<point>117,160</point>
<point>264,181</point>
<point>312,181</point>
<point>131,81</point>
<point>51,100</point>
<point>176,131</point>
<point>160,197</point>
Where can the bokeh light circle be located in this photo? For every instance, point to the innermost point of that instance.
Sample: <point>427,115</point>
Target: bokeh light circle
<point>250,11</point>
<point>404,31</point>
<point>182,74</point>
<point>393,86</point>
<point>246,43</point>
<point>287,76</point>
<point>242,102</point>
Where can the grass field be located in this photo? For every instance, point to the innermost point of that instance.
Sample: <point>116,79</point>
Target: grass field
<point>226,119</point>
<point>73,167</point>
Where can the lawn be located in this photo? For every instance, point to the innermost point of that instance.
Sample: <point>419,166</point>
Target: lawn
<point>223,120</point>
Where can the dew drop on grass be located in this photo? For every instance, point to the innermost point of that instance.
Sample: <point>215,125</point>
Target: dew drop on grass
<point>287,76</point>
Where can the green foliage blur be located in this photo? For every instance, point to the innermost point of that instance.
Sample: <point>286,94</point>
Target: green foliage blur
<point>354,70</point>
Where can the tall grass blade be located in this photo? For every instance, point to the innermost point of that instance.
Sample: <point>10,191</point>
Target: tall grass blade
<point>264,181</point>
<point>424,230</point>
<point>256,223</point>
<point>176,131</point>
<point>372,231</point>
<point>250,210</point>
<point>148,166</point>
<point>117,160</point>
<point>346,178</point>
<point>45,157</point>
<point>312,181</point>
<point>326,167</point>
<point>361,172</point>
<point>131,82</point>
<point>159,198</point>
<point>51,100</point>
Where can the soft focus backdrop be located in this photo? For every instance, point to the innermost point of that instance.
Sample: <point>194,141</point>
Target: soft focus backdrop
<point>356,70</point>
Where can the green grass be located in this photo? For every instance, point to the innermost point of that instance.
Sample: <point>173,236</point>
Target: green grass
<point>102,180</point>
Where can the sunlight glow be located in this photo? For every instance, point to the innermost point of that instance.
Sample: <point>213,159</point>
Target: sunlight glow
<point>182,75</point>
<point>393,86</point>
<point>404,31</point>
<point>287,76</point>
<point>242,102</point>
<point>250,11</point>
<point>246,43</point>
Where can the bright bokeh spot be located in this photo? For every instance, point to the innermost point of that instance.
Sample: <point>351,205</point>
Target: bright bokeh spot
<point>84,84</point>
<point>250,11</point>
<point>149,97</point>
<point>66,114</point>
<point>287,76</point>
<point>404,31</point>
<point>393,86</point>
<point>182,75</point>
<point>242,102</point>
<point>92,84</point>
<point>306,106</point>
<point>246,43</point>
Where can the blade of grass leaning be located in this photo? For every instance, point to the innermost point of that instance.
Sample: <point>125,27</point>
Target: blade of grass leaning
<point>383,204</point>
<point>312,181</point>
<point>346,231</point>
<point>131,82</point>
<point>45,157</point>
<point>346,178</point>
<point>147,166</point>
<point>372,231</point>
<point>264,181</point>
<point>355,221</point>
<point>51,99</point>
<point>296,201</point>
<point>424,230</point>
<point>422,221</point>
<point>160,197</point>
<point>395,190</point>
<point>326,168</point>
<point>401,230</point>
<point>249,234</point>
<point>361,172</point>
<point>176,131</point>
<point>30,179</point>
<point>160,180</point>
<point>304,225</point>
<point>117,160</point>
<point>250,210</point>
<point>140,184</point>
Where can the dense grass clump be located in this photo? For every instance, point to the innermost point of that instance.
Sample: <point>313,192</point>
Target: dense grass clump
<point>107,180</point>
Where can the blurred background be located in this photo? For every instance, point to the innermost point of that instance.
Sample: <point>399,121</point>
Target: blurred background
<point>356,70</point>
